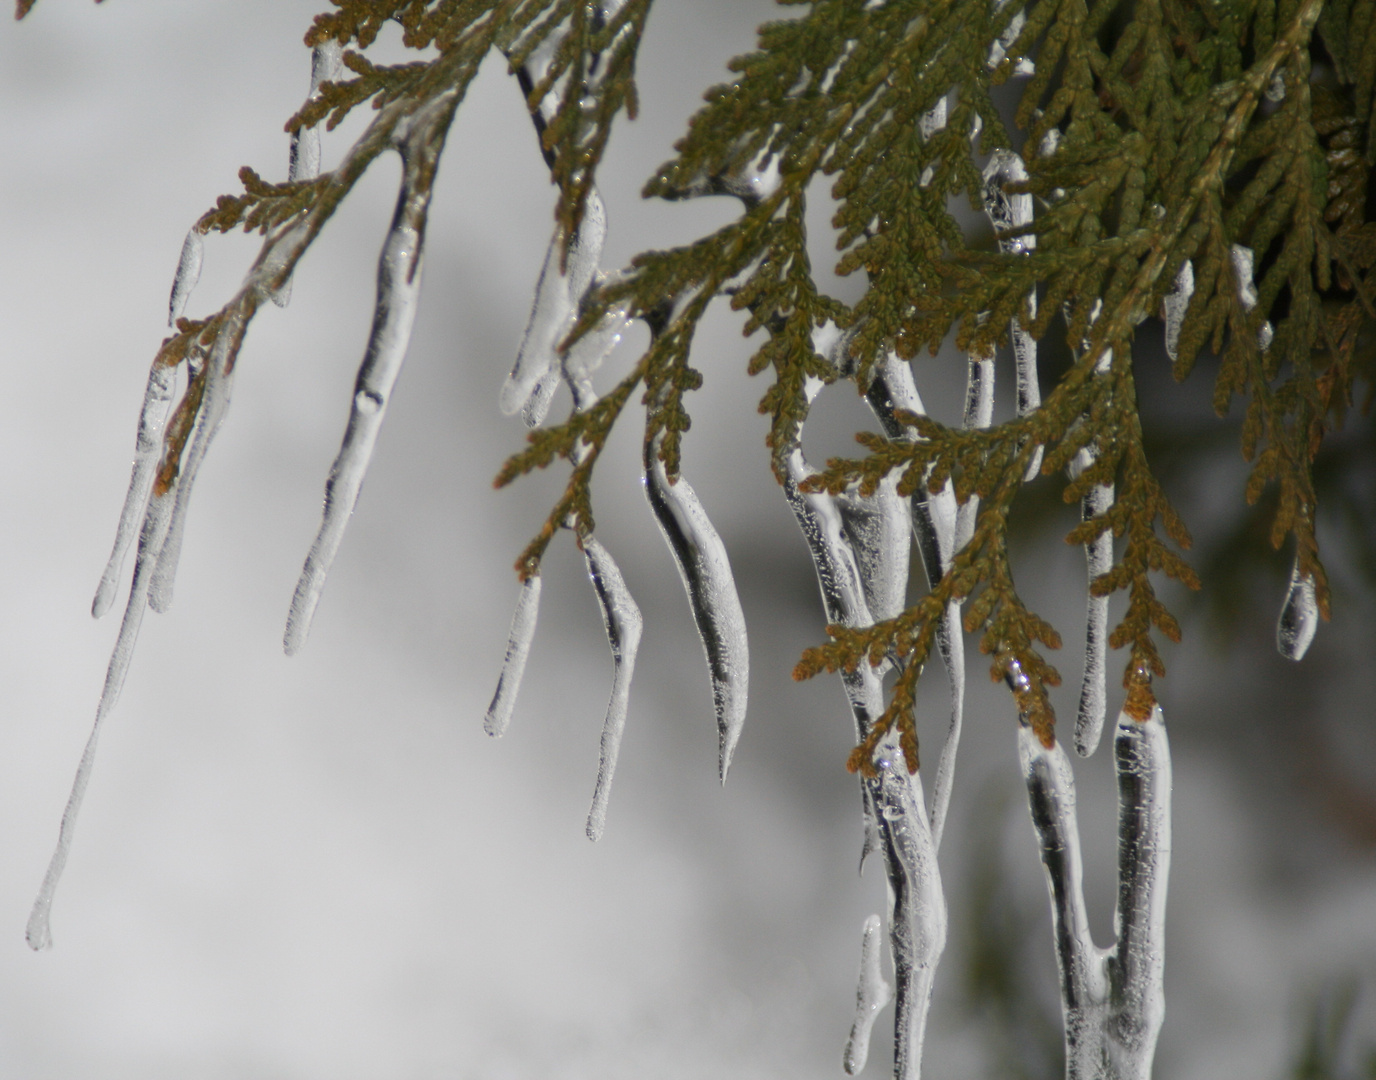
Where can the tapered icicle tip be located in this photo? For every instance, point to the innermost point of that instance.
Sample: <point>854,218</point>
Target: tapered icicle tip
<point>517,651</point>
<point>1299,617</point>
<point>872,993</point>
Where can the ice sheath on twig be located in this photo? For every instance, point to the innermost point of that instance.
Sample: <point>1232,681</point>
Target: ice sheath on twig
<point>1112,999</point>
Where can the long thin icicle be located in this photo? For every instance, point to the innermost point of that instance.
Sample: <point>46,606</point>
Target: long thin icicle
<point>187,275</point>
<point>517,650</point>
<point>151,536</point>
<point>398,287</point>
<point>1009,212</point>
<point>157,399</point>
<point>872,993</point>
<point>707,579</point>
<point>622,619</point>
<point>1093,707</point>
<point>1112,999</point>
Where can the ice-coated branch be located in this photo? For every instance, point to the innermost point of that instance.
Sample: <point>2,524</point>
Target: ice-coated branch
<point>398,289</point>
<point>872,993</point>
<point>707,579</point>
<point>1011,212</point>
<point>1111,999</point>
<point>622,619</point>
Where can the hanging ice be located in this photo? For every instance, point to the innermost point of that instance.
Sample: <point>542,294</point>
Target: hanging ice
<point>979,413</point>
<point>188,274</point>
<point>1299,616</point>
<point>1244,263</point>
<point>1111,999</point>
<point>1089,719</point>
<point>872,993</point>
<point>517,650</point>
<point>534,377</point>
<point>398,287</point>
<point>1009,212</point>
<point>304,156</point>
<point>157,398</point>
<point>622,619</point>
<point>1175,305</point>
<point>706,572</point>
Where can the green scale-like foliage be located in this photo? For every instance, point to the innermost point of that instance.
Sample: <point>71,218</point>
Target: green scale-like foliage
<point>1155,133</point>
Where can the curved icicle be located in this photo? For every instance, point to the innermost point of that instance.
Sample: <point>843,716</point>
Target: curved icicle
<point>398,287</point>
<point>705,570</point>
<point>1299,616</point>
<point>157,398</point>
<point>872,993</point>
<point>517,651</point>
<point>1009,212</point>
<point>622,619</point>
<point>188,274</point>
<point>154,529</point>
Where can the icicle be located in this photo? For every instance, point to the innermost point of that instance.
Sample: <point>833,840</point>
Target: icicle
<point>152,419</point>
<point>534,377</point>
<point>1175,305</point>
<point>706,573</point>
<point>517,650</point>
<point>219,382</point>
<point>623,622</point>
<point>1084,981</point>
<point>1299,616</point>
<point>304,159</point>
<point>1009,212</point>
<point>1089,720</point>
<point>935,519</point>
<point>879,529</point>
<point>188,274</point>
<point>398,286</point>
<point>1136,965</point>
<point>1111,999</point>
<point>1244,263</point>
<point>979,413</point>
<point>872,993</point>
<point>151,536</point>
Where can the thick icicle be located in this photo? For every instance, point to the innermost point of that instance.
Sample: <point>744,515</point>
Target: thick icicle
<point>1111,999</point>
<point>151,537</point>
<point>533,379</point>
<point>872,993</point>
<point>157,398</point>
<point>879,528</point>
<point>1299,616</point>
<point>1136,966</point>
<point>1009,212</point>
<point>1084,977</point>
<point>706,572</point>
<point>398,286</point>
<point>623,622</point>
<point>1174,306</point>
<point>187,275</point>
<point>303,162</point>
<point>517,650</point>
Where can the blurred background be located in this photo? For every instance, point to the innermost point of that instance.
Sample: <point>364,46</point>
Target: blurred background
<point>322,868</point>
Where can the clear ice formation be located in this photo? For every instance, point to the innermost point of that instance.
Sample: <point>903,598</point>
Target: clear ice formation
<point>1112,1000</point>
<point>896,820</point>
<point>872,993</point>
<point>303,161</point>
<point>188,274</point>
<point>706,573</point>
<point>1089,719</point>
<point>622,619</point>
<point>517,651</point>
<point>1006,213</point>
<point>1299,616</point>
<point>398,288</point>
<point>1174,306</point>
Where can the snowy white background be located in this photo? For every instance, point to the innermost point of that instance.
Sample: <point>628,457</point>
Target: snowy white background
<point>322,868</point>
